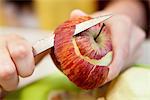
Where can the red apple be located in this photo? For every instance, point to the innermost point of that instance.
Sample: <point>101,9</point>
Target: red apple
<point>83,58</point>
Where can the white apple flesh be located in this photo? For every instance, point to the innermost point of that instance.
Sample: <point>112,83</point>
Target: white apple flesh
<point>134,84</point>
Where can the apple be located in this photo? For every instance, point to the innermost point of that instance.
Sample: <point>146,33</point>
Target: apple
<point>133,84</point>
<point>83,58</point>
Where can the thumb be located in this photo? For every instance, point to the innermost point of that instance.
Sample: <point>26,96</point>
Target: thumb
<point>77,13</point>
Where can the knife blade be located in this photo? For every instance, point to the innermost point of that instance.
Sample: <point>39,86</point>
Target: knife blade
<point>46,43</point>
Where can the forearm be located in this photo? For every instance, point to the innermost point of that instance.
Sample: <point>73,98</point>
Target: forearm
<point>131,8</point>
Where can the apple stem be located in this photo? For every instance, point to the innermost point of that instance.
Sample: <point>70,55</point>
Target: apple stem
<point>99,32</point>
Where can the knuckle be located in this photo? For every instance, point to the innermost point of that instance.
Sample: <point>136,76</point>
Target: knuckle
<point>7,74</point>
<point>20,52</point>
<point>125,20</point>
<point>13,37</point>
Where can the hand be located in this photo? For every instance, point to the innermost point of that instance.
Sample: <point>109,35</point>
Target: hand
<point>16,59</point>
<point>126,41</point>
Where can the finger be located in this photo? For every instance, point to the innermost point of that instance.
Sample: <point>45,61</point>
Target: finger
<point>137,38</point>
<point>120,28</point>
<point>21,53</point>
<point>77,13</point>
<point>8,74</point>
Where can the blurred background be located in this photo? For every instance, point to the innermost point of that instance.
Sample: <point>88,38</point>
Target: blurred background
<point>36,19</point>
<point>42,14</point>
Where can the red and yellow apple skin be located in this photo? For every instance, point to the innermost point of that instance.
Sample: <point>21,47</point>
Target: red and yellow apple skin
<point>82,57</point>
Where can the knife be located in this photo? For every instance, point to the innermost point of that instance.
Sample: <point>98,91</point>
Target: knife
<point>44,44</point>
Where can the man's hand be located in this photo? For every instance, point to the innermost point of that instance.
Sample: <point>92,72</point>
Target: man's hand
<point>126,40</point>
<point>16,59</point>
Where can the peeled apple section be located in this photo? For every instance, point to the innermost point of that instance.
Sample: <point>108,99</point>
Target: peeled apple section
<point>133,84</point>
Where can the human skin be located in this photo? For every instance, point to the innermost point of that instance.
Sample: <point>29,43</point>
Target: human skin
<point>127,34</point>
<point>16,56</point>
<point>126,40</point>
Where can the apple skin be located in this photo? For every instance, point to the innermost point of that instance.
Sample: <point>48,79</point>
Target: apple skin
<point>79,57</point>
